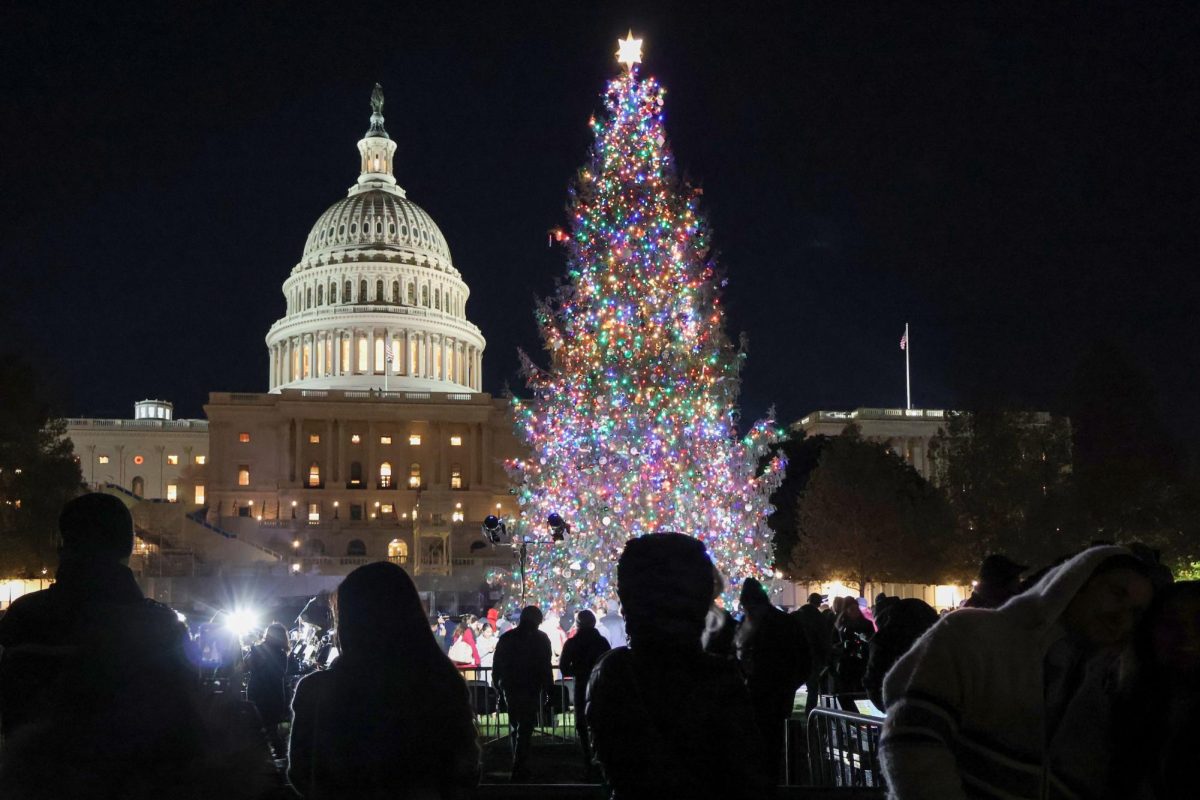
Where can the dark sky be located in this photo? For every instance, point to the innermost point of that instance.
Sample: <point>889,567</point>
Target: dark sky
<point>1014,180</point>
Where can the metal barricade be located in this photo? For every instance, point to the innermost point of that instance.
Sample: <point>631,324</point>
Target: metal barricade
<point>555,721</point>
<point>843,749</point>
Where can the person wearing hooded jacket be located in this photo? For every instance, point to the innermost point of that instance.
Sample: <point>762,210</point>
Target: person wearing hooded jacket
<point>1015,702</point>
<point>667,719</point>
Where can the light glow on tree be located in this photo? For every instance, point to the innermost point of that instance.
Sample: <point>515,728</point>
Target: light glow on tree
<point>632,427</point>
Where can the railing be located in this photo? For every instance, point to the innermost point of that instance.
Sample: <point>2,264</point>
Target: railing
<point>198,517</point>
<point>843,749</point>
<point>140,424</point>
<point>556,717</point>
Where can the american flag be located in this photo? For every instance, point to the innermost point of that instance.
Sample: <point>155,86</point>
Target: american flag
<point>387,351</point>
<point>904,340</point>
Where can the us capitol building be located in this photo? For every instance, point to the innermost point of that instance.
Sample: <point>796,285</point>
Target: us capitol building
<point>375,439</point>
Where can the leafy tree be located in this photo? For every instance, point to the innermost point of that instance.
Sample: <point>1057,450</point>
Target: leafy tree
<point>802,453</point>
<point>867,516</point>
<point>38,472</point>
<point>1132,481</point>
<point>1007,477</point>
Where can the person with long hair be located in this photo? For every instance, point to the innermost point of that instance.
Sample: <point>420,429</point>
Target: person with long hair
<point>391,717</point>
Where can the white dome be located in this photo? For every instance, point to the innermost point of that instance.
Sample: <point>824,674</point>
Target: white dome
<point>376,219</point>
<point>375,301</point>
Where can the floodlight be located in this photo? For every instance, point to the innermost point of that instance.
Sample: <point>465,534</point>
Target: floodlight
<point>558,528</point>
<point>494,529</point>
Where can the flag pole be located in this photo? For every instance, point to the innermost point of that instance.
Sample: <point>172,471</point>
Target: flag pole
<point>907,378</point>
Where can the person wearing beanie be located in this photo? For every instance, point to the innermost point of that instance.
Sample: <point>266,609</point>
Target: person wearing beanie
<point>657,707</point>
<point>95,687</point>
<point>999,581</point>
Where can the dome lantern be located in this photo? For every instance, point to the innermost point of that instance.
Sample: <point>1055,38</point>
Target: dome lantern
<point>377,151</point>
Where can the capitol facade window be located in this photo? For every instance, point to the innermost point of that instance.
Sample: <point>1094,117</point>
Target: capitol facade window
<point>198,494</point>
<point>173,460</point>
<point>243,475</point>
<point>102,459</point>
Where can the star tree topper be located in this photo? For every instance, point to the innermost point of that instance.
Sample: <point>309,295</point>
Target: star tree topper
<point>629,51</point>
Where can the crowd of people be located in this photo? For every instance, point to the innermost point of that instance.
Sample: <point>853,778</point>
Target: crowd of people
<point>1077,680</point>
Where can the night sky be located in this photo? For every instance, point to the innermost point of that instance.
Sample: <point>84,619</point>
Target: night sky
<point>1016,181</point>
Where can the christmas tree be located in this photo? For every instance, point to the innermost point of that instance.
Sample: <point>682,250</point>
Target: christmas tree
<point>632,427</point>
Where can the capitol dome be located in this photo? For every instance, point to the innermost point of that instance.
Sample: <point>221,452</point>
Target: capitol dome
<point>375,302</point>
<point>377,218</point>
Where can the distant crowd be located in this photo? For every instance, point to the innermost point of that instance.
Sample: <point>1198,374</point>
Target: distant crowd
<point>1077,680</point>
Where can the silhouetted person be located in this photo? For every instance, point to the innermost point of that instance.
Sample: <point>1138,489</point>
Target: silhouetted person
<point>391,717</point>
<point>774,659</point>
<point>611,624</point>
<point>1156,735</point>
<point>1016,701</point>
<point>579,655</point>
<point>658,707</point>
<point>720,628</point>
<point>853,633</point>
<point>901,623</point>
<point>817,629</point>
<point>96,696</point>
<point>521,670</point>
<point>267,663</point>
<point>999,581</point>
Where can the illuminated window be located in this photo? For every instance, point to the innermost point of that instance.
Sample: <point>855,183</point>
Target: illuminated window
<point>414,439</point>
<point>456,441</point>
<point>414,476</point>
<point>398,551</point>
<point>379,364</point>
<point>385,475</point>
<point>456,476</point>
<point>345,355</point>
<point>172,493</point>
<point>139,460</point>
<point>200,459</point>
<point>363,365</point>
<point>386,508</point>
<point>198,494</point>
<point>243,475</point>
<point>314,474</point>
<point>102,459</point>
<point>314,512</point>
<point>243,437</point>
<point>314,438</point>
<point>385,440</point>
<point>173,460</point>
<point>355,438</point>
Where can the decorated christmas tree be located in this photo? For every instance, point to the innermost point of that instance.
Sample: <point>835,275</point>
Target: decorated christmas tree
<point>632,428</point>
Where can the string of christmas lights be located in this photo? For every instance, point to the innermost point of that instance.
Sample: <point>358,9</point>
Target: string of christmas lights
<point>632,426</point>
